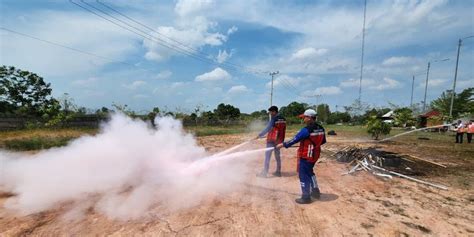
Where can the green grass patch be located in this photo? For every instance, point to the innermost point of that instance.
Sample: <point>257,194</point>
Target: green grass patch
<point>201,131</point>
<point>36,143</point>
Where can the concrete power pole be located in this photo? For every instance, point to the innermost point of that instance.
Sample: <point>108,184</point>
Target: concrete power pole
<point>362,55</point>
<point>456,75</point>
<point>454,84</point>
<point>271,92</point>
<point>412,87</point>
<point>426,86</point>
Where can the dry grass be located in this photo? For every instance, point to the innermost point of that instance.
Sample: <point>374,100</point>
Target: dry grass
<point>36,139</point>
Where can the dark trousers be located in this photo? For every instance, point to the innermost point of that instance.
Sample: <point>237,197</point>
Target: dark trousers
<point>459,136</point>
<point>268,155</point>
<point>307,177</point>
<point>469,138</point>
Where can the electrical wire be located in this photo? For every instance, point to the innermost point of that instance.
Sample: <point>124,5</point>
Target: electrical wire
<point>67,47</point>
<point>176,41</point>
<point>161,42</point>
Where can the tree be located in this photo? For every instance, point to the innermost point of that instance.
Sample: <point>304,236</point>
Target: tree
<point>293,109</point>
<point>208,117</point>
<point>323,112</point>
<point>227,112</point>
<point>124,109</point>
<point>152,115</point>
<point>339,117</point>
<point>357,108</point>
<point>25,93</point>
<point>377,127</point>
<point>261,115</point>
<point>356,111</point>
<point>403,117</point>
<point>463,103</point>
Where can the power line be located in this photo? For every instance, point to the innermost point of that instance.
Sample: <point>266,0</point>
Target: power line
<point>147,27</point>
<point>67,47</point>
<point>298,92</point>
<point>161,42</point>
<point>288,85</point>
<point>169,38</point>
<point>252,70</point>
<point>146,36</point>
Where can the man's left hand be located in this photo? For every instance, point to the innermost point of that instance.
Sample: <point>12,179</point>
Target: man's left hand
<point>279,146</point>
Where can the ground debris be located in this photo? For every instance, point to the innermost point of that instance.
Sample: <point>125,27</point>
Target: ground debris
<point>378,163</point>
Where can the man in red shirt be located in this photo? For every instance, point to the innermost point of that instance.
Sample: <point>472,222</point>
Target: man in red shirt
<point>310,138</point>
<point>275,131</point>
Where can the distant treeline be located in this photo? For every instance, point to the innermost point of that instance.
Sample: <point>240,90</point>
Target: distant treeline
<point>26,101</point>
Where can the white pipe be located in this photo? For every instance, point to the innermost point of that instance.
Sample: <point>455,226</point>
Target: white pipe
<point>412,179</point>
<point>401,134</point>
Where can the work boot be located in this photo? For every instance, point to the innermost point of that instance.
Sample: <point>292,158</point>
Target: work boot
<point>277,173</point>
<point>303,200</point>
<point>262,174</point>
<point>315,193</point>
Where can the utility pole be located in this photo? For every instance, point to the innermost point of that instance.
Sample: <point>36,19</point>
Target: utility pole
<point>426,86</point>
<point>271,92</point>
<point>427,74</point>
<point>317,99</point>
<point>455,76</point>
<point>454,84</point>
<point>362,55</point>
<point>412,87</point>
<point>273,74</point>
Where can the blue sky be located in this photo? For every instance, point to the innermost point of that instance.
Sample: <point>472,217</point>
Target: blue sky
<point>315,45</point>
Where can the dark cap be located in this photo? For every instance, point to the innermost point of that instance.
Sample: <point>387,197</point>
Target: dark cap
<point>273,108</point>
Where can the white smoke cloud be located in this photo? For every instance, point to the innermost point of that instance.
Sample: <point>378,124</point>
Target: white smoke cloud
<point>122,172</point>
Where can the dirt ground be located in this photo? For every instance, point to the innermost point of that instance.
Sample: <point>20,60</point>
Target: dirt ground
<point>351,205</point>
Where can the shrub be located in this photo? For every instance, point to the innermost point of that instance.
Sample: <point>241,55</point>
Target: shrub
<point>377,127</point>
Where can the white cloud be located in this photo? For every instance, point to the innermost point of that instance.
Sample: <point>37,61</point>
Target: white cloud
<point>238,89</point>
<point>396,61</point>
<point>436,82</point>
<point>164,74</point>
<point>140,96</point>
<point>307,53</point>
<point>175,88</point>
<point>85,83</point>
<point>62,27</point>
<point>191,34</point>
<point>232,30</point>
<point>135,85</point>
<point>217,74</point>
<point>178,84</point>
<point>188,7</point>
<point>222,56</point>
<point>371,84</point>
<point>352,82</point>
<point>386,84</point>
<point>462,84</point>
<point>330,90</point>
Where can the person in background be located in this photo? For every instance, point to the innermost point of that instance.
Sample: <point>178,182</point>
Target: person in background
<point>459,131</point>
<point>275,130</point>
<point>310,138</point>
<point>470,131</point>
